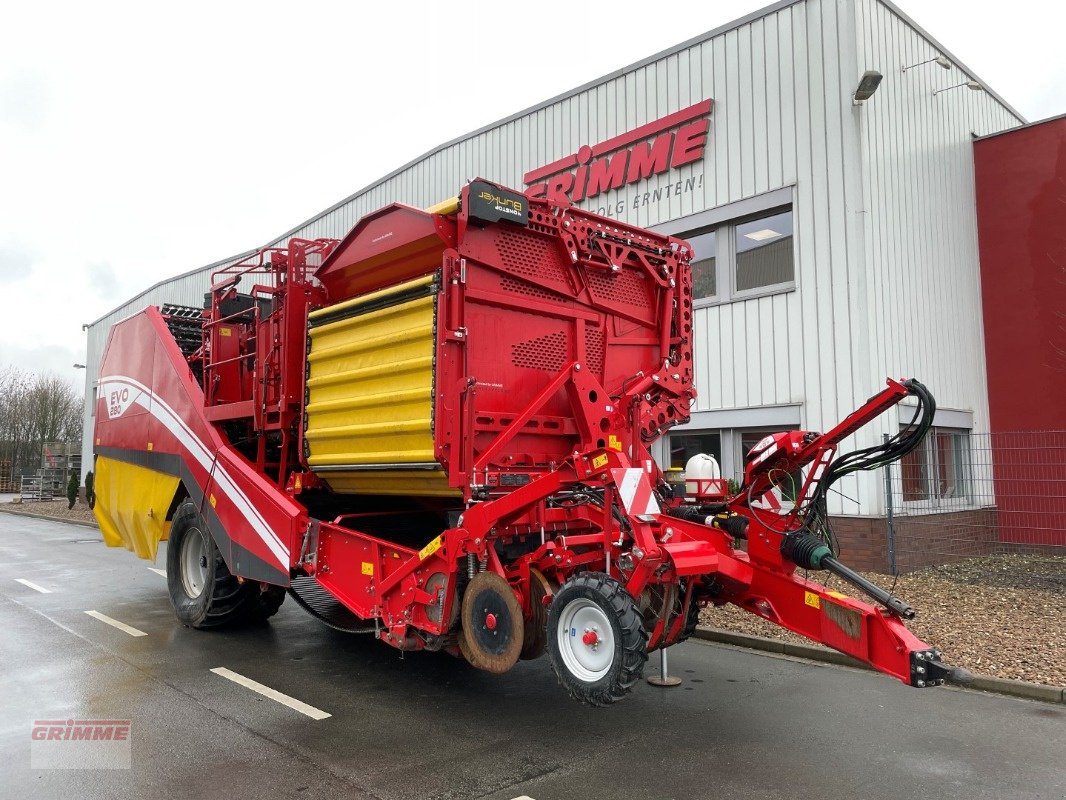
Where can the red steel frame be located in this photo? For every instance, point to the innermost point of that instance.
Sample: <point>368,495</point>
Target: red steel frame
<point>253,386</point>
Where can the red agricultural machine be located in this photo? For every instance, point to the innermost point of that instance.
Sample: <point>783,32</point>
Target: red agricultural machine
<point>437,431</point>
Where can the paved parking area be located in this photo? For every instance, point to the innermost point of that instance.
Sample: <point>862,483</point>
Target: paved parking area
<point>294,709</point>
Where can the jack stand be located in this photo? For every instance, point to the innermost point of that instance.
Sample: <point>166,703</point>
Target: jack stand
<point>663,679</point>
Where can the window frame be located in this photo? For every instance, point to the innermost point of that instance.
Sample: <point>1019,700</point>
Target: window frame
<point>933,499</point>
<point>725,258</point>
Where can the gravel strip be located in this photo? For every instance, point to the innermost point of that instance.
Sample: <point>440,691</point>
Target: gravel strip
<point>1001,616</point>
<point>56,508</point>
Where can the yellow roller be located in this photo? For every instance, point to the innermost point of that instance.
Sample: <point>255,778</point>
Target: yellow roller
<point>449,206</point>
<point>370,393</point>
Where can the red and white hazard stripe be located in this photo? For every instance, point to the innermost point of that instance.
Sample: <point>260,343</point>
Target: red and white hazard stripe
<point>634,490</point>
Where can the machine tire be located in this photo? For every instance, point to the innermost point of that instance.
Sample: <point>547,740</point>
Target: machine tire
<point>267,603</point>
<point>209,596</point>
<point>590,600</point>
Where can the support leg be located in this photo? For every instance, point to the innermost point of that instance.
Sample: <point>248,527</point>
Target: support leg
<point>663,679</point>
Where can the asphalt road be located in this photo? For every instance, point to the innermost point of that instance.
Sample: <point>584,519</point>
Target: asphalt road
<point>741,725</point>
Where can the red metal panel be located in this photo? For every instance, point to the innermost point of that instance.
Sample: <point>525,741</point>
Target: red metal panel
<point>1020,180</point>
<point>1021,214</point>
<point>390,246</point>
<point>164,415</point>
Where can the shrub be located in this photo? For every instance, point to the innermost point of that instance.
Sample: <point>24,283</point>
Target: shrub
<point>72,489</point>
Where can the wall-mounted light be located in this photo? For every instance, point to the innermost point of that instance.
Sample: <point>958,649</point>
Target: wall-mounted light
<point>973,86</point>
<point>940,61</point>
<point>868,84</point>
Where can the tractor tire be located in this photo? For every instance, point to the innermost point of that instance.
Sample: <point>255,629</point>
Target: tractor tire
<point>203,591</point>
<point>267,603</point>
<point>596,640</point>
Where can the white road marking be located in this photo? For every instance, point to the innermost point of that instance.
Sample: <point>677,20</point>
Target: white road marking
<point>522,797</point>
<point>33,586</point>
<point>162,572</point>
<point>273,694</point>
<point>114,623</point>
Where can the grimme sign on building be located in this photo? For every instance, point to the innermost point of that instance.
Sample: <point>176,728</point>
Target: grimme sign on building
<point>670,142</point>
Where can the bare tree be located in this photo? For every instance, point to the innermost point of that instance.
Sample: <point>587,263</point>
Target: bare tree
<point>34,409</point>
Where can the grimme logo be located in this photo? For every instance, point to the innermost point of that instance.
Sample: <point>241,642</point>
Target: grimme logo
<point>80,744</point>
<point>679,139</point>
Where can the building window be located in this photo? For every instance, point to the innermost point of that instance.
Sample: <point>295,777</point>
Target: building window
<point>764,251</point>
<point>704,271</point>
<point>684,446</point>
<point>940,468</point>
<point>748,256</point>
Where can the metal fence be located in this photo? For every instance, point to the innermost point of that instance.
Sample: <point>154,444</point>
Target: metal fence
<point>963,494</point>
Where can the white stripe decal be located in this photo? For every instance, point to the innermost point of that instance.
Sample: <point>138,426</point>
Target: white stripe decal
<point>198,450</point>
<point>273,694</point>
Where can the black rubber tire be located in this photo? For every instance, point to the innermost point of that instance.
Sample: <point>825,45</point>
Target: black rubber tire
<point>267,603</point>
<point>224,600</point>
<point>631,640</point>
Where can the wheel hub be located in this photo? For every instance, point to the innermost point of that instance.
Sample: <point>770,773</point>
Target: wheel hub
<point>194,548</point>
<point>586,640</point>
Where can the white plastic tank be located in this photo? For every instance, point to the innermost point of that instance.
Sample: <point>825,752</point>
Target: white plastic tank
<point>700,468</point>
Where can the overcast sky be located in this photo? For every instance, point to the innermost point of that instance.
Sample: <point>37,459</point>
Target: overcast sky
<point>142,140</point>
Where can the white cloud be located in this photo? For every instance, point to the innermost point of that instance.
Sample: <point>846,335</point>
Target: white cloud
<point>25,99</point>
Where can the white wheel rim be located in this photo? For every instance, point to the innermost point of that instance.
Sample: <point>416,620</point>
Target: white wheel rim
<point>194,562</point>
<point>586,640</point>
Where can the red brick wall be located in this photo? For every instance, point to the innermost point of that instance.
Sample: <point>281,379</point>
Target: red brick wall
<point>922,540</point>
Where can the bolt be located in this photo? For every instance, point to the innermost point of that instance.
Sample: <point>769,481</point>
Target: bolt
<point>921,684</point>
<point>920,670</point>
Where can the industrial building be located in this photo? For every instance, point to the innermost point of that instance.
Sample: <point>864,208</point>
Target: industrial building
<point>820,158</point>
